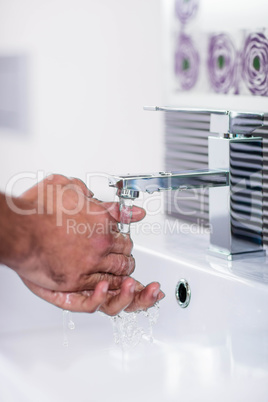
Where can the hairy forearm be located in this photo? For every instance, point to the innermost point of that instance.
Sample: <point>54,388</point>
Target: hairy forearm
<point>16,236</point>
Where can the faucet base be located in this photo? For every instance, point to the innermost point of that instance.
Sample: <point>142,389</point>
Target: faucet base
<point>236,256</point>
<point>236,211</point>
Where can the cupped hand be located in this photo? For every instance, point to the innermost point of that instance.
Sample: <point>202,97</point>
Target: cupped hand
<point>79,260</point>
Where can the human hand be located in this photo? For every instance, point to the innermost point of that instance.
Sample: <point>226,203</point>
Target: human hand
<point>79,261</point>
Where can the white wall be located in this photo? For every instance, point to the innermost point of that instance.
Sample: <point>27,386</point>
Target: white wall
<point>232,17</point>
<point>93,64</point>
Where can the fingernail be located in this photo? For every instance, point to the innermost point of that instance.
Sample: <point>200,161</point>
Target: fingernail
<point>105,288</point>
<point>132,288</point>
<point>161,296</point>
<point>156,292</point>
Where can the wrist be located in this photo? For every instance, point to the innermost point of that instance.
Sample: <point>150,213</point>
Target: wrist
<point>16,234</point>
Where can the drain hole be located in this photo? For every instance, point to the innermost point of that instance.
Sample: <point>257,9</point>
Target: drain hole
<point>183,293</point>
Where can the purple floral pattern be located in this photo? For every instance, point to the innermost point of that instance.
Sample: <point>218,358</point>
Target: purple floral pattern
<point>232,64</point>
<point>222,64</point>
<point>186,9</point>
<point>186,62</point>
<point>255,63</point>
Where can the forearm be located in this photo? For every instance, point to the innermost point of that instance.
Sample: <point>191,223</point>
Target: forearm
<point>16,236</point>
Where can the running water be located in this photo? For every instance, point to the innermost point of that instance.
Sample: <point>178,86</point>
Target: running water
<point>68,324</point>
<point>130,329</point>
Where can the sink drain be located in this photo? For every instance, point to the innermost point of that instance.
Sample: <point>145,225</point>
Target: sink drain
<point>183,293</point>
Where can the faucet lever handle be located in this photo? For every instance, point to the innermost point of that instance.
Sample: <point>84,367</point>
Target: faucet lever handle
<point>221,121</point>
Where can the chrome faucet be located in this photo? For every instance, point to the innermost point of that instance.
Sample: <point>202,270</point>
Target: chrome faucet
<point>234,179</point>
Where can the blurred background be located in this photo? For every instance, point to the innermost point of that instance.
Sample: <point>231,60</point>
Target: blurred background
<point>74,76</point>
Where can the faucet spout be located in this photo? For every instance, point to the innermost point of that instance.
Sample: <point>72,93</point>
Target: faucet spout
<point>129,186</point>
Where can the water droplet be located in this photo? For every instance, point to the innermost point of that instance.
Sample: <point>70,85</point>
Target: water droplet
<point>71,325</point>
<point>65,343</point>
<point>67,324</point>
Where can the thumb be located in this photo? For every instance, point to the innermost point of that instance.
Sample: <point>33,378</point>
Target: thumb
<point>113,208</point>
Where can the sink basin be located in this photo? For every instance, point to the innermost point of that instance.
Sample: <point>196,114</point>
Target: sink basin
<point>216,349</point>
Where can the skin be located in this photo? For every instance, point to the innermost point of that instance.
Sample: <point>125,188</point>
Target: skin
<point>65,246</point>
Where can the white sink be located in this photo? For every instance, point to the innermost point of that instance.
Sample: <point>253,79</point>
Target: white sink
<point>216,349</point>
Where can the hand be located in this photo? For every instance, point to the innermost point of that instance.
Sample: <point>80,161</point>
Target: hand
<point>79,261</point>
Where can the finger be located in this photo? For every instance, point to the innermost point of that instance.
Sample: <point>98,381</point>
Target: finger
<point>38,191</point>
<point>122,244</point>
<point>116,264</point>
<point>146,297</point>
<point>55,179</point>
<point>95,208</point>
<point>86,301</point>
<point>85,190</point>
<point>90,281</point>
<point>113,208</point>
<point>116,303</point>
<point>67,181</point>
<point>137,214</point>
<point>31,194</point>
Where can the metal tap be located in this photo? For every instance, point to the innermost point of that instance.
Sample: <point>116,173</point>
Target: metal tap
<point>234,179</point>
